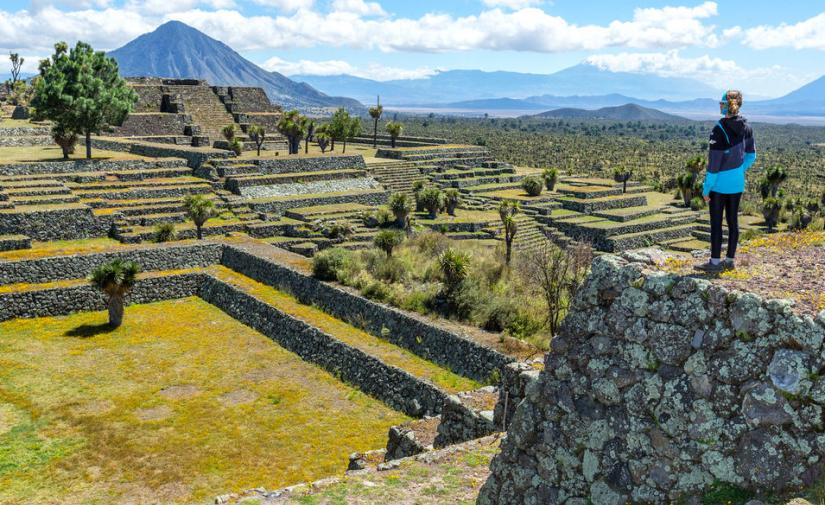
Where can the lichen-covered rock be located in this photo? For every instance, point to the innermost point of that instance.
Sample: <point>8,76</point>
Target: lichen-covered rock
<point>658,386</point>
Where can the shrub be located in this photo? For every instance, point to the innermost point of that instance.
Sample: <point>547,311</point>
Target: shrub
<point>532,186</point>
<point>455,266</point>
<point>551,177</point>
<point>387,240</point>
<point>199,209</point>
<point>771,208</point>
<point>377,290</point>
<point>389,269</point>
<point>399,204</point>
<point>228,132</point>
<point>328,263</point>
<point>800,219</point>
<point>164,232</point>
<point>622,175</point>
<point>432,199</point>
<point>236,146</point>
<point>697,203</point>
<point>452,199</point>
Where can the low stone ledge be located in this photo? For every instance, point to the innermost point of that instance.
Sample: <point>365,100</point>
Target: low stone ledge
<point>60,167</point>
<point>393,386</point>
<point>61,301</point>
<point>515,378</point>
<point>14,243</point>
<point>150,258</point>
<point>64,222</point>
<point>466,416</point>
<point>460,354</point>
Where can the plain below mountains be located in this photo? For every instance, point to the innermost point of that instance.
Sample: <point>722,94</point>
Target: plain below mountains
<point>176,50</point>
<point>627,112</point>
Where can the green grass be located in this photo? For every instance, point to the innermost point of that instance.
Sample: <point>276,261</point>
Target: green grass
<point>85,416</point>
<point>390,354</point>
<point>461,216</point>
<point>20,154</point>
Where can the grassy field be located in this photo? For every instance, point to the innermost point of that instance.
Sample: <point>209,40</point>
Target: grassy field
<point>314,150</point>
<point>20,154</point>
<point>178,405</point>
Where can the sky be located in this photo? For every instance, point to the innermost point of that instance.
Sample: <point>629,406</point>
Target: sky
<point>766,48</point>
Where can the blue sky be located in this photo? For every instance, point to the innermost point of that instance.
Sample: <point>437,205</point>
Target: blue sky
<point>765,47</point>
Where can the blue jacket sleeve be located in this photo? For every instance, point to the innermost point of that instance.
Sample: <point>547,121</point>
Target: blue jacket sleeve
<point>750,159</point>
<point>710,181</point>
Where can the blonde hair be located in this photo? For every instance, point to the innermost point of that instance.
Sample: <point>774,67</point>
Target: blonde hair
<point>734,97</point>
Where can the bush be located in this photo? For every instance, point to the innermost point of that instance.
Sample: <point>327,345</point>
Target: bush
<point>236,146</point>
<point>328,263</point>
<point>431,199</point>
<point>228,133</point>
<point>800,219</point>
<point>399,204</point>
<point>377,290</point>
<point>455,266</point>
<point>532,186</point>
<point>164,232</point>
<point>551,177</point>
<point>389,270</point>
<point>771,208</point>
<point>387,240</point>
<point>697,203</point>
<point>452,199</point>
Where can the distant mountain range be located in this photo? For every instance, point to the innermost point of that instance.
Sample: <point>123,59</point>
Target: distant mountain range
<point>628,112</point>
<point>176,50</point>
<point>462,85</point>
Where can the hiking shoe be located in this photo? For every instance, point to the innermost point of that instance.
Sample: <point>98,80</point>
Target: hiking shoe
<point>728,264</point>
<point>710,268</point>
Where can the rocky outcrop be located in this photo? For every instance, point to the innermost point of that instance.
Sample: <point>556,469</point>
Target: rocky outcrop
<point>659,385</point>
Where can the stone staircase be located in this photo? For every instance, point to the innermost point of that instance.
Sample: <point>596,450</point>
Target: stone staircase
<point>396,176</point>
<point>205,108</point>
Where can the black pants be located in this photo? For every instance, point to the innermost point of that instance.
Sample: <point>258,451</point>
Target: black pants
<point>729,206</point>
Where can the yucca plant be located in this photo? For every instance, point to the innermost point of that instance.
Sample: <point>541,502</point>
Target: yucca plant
<point>551,177</point>
<point>432,199</point>
<point>771,209</point>
<point>387,240</point>
<point>399,204</point>
<point>622,175</point>
<point>375,114</point>
<point>115,279</point>
<point>394,129</point>
<point>452,198</point>
<point>164,232</point>
<point>228,133</point>
<point>507,211</point>
<point>257,134</point>
<point>532,186</point>
<point>455,266</point>
<point>199,209</point>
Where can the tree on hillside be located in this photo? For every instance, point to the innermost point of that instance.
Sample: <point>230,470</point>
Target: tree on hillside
<point>293,126</point>
<point>82,91</point>
<point>375,114</point>
<point>16,65</point>
<point>199,209</point>
<point>115,279</point>
<point>257,134</point>
<point>65,139</point>
<point>310,134</point>
<point>507,211</point>
<point>342,127</point>
<point>322,138</point>
<point>394,129</point>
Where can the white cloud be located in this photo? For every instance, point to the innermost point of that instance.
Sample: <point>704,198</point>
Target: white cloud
<point>354,25</point>
<point>373,71</point>
<point>807,34</point>
<point>286,5</point>
<point>358,8</point>
<point>512,4</point>
<point>668,64</point>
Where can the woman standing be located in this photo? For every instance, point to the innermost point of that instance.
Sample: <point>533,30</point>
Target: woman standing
<point>731,152</point>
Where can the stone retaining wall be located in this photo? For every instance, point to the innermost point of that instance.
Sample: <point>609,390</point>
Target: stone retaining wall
<point>365,197</point>
<point>659,385</point>
<point>413,332</point>
<point>155,123</point>
<point>14,243</point>
<point>25,131</point>
<point>393,386</point>
<point>151,258</point>
<point>194,157</point>
<point>512,389</point>
<point>34,140</point>
<point>461,422</point>
<point>62,167</point>
<point>74,221</point>
<point>311,164</point>
<point>83,298</point>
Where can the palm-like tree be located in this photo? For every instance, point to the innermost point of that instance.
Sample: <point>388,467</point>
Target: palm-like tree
<point>257,134</point>
<point>199,209</point>
<point>115,279</point>
<point>399,204</point>
<point>293,126</point>
<point>507,212</point>
<point>394,129</point>
<point>375,114</point>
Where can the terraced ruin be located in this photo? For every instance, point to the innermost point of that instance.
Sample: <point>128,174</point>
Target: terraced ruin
<point>281,356</point>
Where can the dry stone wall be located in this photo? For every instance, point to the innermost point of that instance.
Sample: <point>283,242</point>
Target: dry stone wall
<point>64,167</point>
<point>659,385</point>
<point>428,340</point>
<point>152,258</point>
<point>69,222</point>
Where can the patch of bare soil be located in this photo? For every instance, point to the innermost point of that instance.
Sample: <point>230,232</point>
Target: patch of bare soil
<point>154,413</point>
<point>238,397</point>
<point>180,392</point>
<point>781,265</point>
